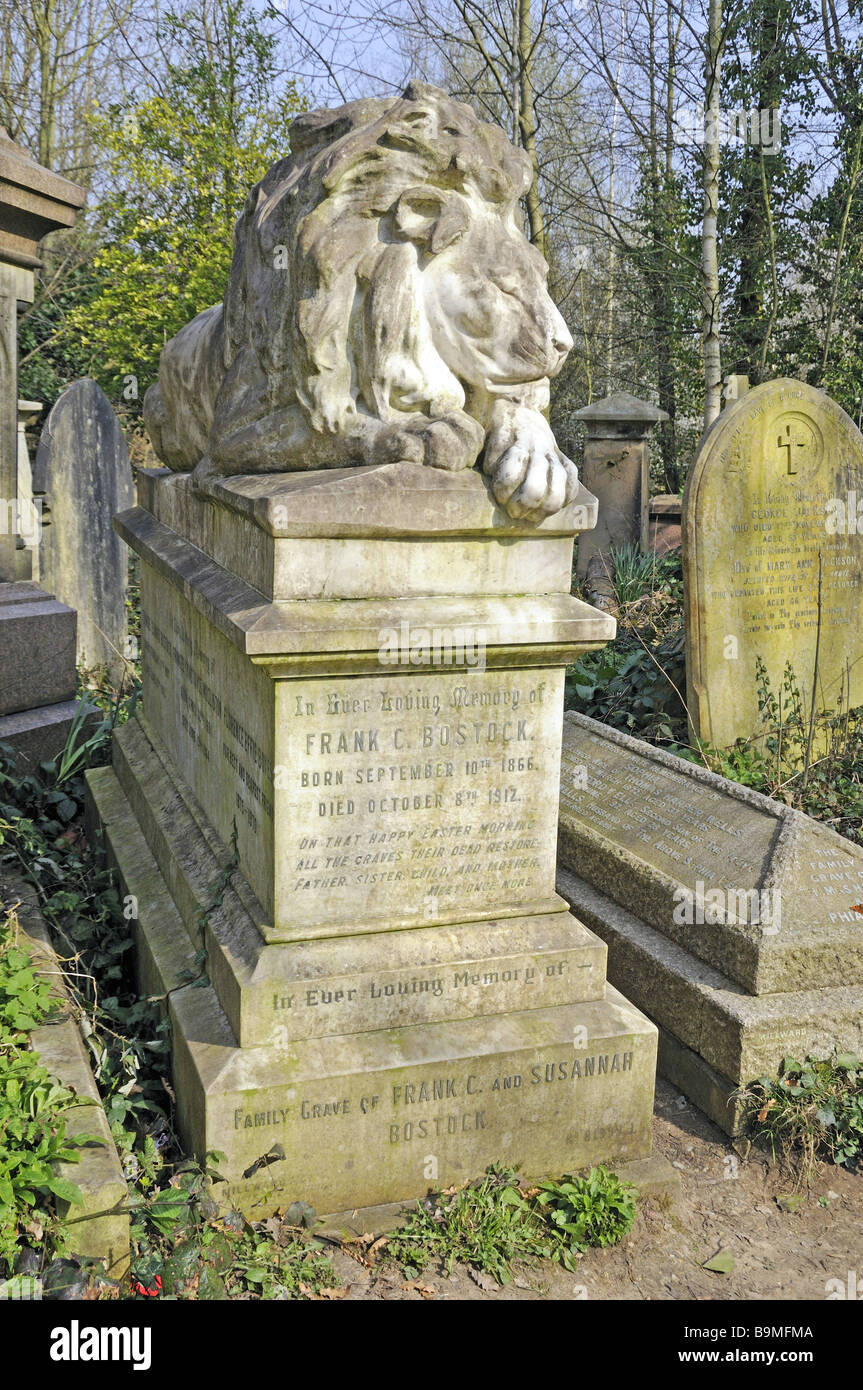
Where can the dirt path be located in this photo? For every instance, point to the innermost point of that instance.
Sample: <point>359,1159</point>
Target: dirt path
<point>723,1203</point>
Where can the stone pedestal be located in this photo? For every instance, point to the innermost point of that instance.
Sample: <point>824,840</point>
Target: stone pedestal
<point>616,470</point>
<point>353,695</point>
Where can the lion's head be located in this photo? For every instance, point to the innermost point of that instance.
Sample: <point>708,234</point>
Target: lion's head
<point>383,301</point>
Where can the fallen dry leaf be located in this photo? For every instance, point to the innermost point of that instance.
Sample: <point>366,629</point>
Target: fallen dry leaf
<point>485,1281</point>
<point>350,1247</point>
<point>427,1290</point>
<point>333,1293</point>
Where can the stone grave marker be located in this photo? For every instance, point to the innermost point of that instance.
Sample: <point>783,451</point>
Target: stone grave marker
<point>37,633</point>
<point>770,520</point>
<point>616,470</point>
<point>82,467</point>
<point>729,917</point>
<point>353,690</point>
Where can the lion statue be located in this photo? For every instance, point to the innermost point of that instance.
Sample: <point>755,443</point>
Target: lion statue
<point>383,305</point>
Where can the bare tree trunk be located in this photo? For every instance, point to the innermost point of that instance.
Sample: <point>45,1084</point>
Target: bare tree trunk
<point>853,180</point>
<point>527,122</point>
<point>710,347</point>
<point>612,245</point>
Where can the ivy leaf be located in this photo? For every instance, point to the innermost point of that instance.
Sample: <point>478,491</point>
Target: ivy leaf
<point>67,1191</point>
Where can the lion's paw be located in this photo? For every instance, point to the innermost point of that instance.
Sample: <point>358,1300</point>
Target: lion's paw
<point>452,442</point>
<point>530,477</point>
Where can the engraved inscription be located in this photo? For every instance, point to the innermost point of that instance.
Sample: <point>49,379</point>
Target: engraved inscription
<point>430,1107</point>
<point>688,830</point>
<point>424,792</point>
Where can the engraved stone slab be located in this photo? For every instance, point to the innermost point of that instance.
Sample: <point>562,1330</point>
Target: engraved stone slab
<point>772,498</point>
<point>316,988</point>
<point>552,1088</point>
<point>400,799</point>
<point>729,918</point>
<point>379,1103</point>
<point>349,1120</point>
<point>716,1037</point>
<point>385,762</point>
<point>771,891</point>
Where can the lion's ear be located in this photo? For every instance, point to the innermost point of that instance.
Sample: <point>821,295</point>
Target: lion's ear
<point>432,217</point>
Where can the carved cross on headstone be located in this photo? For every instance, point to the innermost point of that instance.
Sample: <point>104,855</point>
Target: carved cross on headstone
<point>791,441</point>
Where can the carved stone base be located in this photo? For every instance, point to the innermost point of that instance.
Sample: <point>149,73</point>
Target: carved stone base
<point>392,992</point>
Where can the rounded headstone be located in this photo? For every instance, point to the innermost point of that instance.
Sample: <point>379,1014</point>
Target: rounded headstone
<point>771,500</point>
<point>82,465</point>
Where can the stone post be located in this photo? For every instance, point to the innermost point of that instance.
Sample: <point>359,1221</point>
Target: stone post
<point>615,470</point>
<point>33,202</point>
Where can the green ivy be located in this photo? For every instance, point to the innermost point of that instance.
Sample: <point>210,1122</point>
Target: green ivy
<point>812,1109</point>
<point>33,1136</point>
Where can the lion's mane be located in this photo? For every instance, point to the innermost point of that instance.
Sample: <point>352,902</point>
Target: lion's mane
<point>277,364</point>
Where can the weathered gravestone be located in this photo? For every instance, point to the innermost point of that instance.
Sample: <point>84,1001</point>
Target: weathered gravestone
<point>729,917</point>
<point>353,685</point>
<point>82,467</point>
<point>616,470</point>
<point>770,520</point>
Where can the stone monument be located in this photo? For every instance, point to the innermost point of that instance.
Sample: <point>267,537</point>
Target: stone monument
<point>729,917</point>
<point>342,786</point>
<point>616,470</point>
<point>82,469</point>
<point>37,634</point>
<point>773,557</point>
